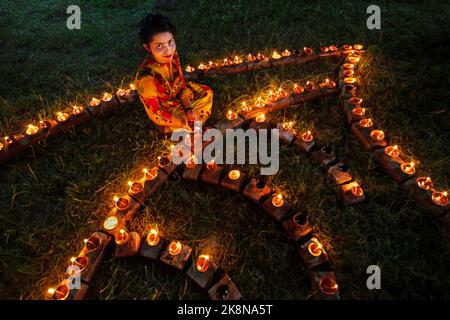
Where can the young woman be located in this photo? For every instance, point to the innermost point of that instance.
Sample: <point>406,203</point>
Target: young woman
<point>170,101</point>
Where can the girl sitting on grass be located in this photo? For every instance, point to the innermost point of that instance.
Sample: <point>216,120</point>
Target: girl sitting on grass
<point>170,101</point>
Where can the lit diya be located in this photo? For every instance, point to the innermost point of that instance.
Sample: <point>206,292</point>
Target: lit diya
<point>408,167</point>
<point>260,118</point>
<point>356,101</point>
<point>60,293</point>
<point>120,92</point>
<point>202,263</point>
<point>175,248</point>
<point>94,102</point>
<point>237,60</point>
<point>276,55</point>
<point>425,183</point>
<point>348,66</point>
<point>122,237</point>
<point>309,85</point>
<point>358,111</point>
<point>307,136</point>
<point>234,174</point>
<point>135,187</point>
<point>150,174</point>
<point>328,84</point>
<point>31,129</point>
<point>308,51</point>
<point>377,135</point>
<point>365,123</point>
<point>440,198</point>
<point>192,162</point>
<point>92,243</point>
<point>357,191</point>
<point>287,125</point>
<point>190,69</point>
<point>211,164</point>
<point>392,151</point>
<point>328,285</point>
<point>231,115</point>
<point>286,53</point>
<point>315,248</point>
<point>80,263</point>
<point>153,237</point>
<point>278,200</point>
<point>77,109</point>
<point>107,96</point>
<point>298,89</point>
<point>121,203</point>
<point>62,116</point>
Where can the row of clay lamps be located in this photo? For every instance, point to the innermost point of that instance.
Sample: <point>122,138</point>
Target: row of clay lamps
<point>277,58</point>
<point>176,254</point>
<point>389,157</point>
<point>11,146</point>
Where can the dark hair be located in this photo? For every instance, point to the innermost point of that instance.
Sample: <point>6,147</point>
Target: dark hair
<point>152,24</point>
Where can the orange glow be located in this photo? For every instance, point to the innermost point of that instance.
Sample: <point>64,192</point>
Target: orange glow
<point>192,162</point>
<point>234,174</point>
<point>94,102</point>
<point>153,237</point>
<point>231,115</point>
<point>392,151</point>
<point>286,53</point>
<point>120,92</point>
<point>175,247</point>
<point>349,80</point>
<point>357,191</point>
<point>298,89</point>
<point>135,187</point>
<point>261,118</point>
<point>77,109</point>
<point>358,47</point>
<point>440,198</point>
<point>328,285</point>
<point>307,136</point>
<point>377,135</point>
<point>31,129</point>
<point>62,116</point>
<point>358,111</point>
<point>150,174</point>
<point>107,96</point>
<point>355,101</point>
<point>309,85</point>
<point>425,183</point>
<point>308,51</point>
<point>328,83</point>
<point>237,60</point>
<point>190,69</point>
<point>315,248</point>
<point>366,123</point>
<point>121,203</point>
<point>348,66</point>
<point>287,125</point>
<point>408,168</point>
<point>211,165</point>
<point>202,263</point>
<point>278,200</point>
<point>276,55</point>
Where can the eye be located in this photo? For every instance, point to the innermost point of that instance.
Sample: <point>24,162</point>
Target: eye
<point>171,42</point>
<point>158,46</point>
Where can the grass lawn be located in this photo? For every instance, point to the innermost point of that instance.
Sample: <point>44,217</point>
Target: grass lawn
<point>57,193</point>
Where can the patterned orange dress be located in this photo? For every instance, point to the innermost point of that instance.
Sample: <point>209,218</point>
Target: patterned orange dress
<point>161,87</point>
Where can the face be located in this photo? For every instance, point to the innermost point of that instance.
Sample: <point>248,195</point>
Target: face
<point>162,47</point>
